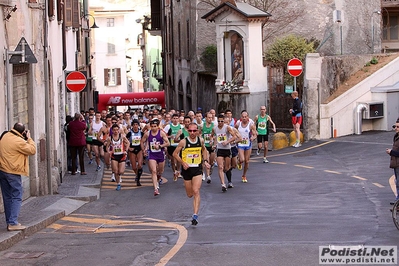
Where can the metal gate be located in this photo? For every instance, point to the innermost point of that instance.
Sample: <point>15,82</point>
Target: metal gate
<point>280,101</point>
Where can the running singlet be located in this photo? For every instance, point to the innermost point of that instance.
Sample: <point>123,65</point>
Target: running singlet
<point>153,140</point>
<point>221,136</point>
<point>96,128</point>
<point>172,131</point>
<point>192,153</point>
<point>206,134</point>
<point>117,146</point>
<point>262,122</point>
<point>135,138</point>
<point>245,134</point>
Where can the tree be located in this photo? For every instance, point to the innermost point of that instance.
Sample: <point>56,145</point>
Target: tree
<point>284,14</point>
<point>286,48</point>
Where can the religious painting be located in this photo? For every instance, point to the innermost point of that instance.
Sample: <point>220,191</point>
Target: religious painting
<point>237,58</point>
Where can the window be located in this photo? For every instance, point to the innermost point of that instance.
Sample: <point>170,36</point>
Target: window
<point>390,28</point>
<point>179,38</point>
<point>188,40</point>
<point>111,46</point>
<point>110,22</point>
<point>72,18</point>
<point>112,76</point>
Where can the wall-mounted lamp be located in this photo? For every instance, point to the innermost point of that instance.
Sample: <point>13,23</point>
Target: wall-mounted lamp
<point>146,21</point>
<point>9,10</point>
<point>94,26</point>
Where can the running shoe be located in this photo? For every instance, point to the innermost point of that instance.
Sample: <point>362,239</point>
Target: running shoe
<point>156,192</point>
<point>265,160</point>
<point>160,180</point>
<point>239,166</point>
<point>194,221</point>
<point>298,145</point>
<point>118,187</point>
<point>98,168</point>
<point>244,179</point>
<point>175,176</point>
<point>208,179</point>
<point>113,178</point>
<point>138,183</point>
<point>203,177</point>
<point>90,161</point>
<point>257,151</point>
<point>230,185</point>
<point>224,189</point>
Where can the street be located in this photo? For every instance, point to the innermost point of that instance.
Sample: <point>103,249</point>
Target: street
<point>333,192</point>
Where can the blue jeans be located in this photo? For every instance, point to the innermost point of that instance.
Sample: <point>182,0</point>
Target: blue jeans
<point>396,172</point>
<point>11,189</point>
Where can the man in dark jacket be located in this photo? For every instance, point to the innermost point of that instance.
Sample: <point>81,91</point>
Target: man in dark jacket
<point>296,114</point>
<point>77,141</point>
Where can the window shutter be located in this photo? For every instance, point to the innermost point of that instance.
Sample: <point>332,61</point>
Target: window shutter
<point>60,10</point>
<point>75,14</point>
<point>68,13</point>
<point>118,76</point>
<point>50,8</point>
<point>105,76</point>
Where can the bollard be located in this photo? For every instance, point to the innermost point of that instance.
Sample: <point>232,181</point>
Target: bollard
<point>293,138</point>
<point>280,141</point>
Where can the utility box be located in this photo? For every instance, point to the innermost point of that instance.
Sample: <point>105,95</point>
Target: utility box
<point>373,110</point>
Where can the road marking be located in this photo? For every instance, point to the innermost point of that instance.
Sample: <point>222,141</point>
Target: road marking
<point>302,150</point>
<point>378,185</point>
<point>304,166</point>
<point>360,178</point>
<point>86,223</point>
<point>278,162</point>
<point>332,172</point>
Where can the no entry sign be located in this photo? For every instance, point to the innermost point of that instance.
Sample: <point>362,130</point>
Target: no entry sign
<point>75,81</point>
<point>295,67</point>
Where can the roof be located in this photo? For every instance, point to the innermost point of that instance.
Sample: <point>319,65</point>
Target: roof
<point>242,9</point>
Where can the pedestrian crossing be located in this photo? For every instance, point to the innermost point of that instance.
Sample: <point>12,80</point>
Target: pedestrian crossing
<point>128,182</point>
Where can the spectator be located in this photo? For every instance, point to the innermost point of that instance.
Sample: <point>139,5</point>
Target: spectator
<point>77,141</point>
<point>15,147</point>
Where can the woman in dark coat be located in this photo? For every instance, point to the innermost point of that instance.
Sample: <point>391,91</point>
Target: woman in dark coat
<point>77,141</point>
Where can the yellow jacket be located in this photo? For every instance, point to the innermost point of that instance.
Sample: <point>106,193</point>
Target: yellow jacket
<point>14,152</point>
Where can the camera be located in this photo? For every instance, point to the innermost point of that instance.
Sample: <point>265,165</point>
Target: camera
<point>24,135</point>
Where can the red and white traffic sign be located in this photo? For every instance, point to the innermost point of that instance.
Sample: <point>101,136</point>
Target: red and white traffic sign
<point>295,67</point>
<point>75,81</point>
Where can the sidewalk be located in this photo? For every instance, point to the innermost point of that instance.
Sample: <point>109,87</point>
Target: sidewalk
<point>39,212</point>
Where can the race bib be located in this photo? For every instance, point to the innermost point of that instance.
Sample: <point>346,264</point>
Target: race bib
<point>152,146</point>
<point>118,149</point>
<point>192,156</point>
<point>207,138</point>
<point>244,142</point>
<point>262,125</point>
<point>221,137</point>
<point>136,140</point>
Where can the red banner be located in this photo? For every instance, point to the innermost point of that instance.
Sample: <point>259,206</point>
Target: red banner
<point>130,99</point>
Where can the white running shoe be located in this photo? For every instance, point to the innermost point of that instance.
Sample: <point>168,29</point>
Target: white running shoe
<point>113,178</point>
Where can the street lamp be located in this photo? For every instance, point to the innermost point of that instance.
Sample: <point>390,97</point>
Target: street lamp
<point>378,12</point>
<point>94,26</point>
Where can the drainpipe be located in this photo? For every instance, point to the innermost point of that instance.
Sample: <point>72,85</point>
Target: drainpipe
<point>358,119</point>
<point>47,100</point>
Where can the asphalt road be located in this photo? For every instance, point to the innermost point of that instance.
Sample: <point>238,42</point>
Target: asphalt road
<point>324,193</point>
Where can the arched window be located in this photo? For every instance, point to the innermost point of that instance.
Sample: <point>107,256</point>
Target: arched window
<point>189,97</point>
<point>180,103</point>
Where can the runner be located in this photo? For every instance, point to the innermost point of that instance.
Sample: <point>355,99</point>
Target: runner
<point>247,131</point>
<point>263,132</point>
<point>89,139</point>
<point>193,153</point>
<point>105,133</point>
<point>117,145</point>
<point>171,130</point>
<point>135,152</point>
<point>97,142</point>
<point>208,140</point>
<point>152,143</point>
<point>234,151</point>
<point>223,147</point>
